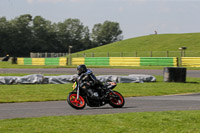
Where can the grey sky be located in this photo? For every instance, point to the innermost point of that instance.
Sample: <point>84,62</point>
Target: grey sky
<point>136,17</point>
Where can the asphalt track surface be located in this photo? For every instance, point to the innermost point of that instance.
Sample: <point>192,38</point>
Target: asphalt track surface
<point>97,71</point>
<point>133,104</point>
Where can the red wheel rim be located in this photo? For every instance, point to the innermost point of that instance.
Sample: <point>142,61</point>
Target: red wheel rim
<point>117,101</point>
<point>78,103</point>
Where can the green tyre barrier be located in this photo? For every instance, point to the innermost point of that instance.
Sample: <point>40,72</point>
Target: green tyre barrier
<point>97,61</point>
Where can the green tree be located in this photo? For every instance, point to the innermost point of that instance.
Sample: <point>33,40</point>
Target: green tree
<point>3,36</point>
<point>106,33</point>
<point>72,32</point>
<point>87,43</point>
<point>44,36</point>
<point>20,35</point>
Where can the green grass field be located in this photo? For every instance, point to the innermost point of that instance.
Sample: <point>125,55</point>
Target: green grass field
<point>162,42</point>
<point>147,46</point>
<point>142,122</point>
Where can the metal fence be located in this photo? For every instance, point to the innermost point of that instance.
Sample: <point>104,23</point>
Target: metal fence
<point>121,54</point>
<point>46,55</point>
<point>140,54</point>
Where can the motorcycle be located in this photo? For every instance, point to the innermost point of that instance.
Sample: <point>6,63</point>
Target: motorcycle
<point>78,98</point>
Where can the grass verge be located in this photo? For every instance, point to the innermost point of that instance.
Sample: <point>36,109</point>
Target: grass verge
<point>53,92</point>
<point>142,122</point>
<point>161,42</point>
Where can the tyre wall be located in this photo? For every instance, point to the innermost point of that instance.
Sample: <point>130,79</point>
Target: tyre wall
<point>190,61</point>
<point>42,61</point>
<point>126,61</point>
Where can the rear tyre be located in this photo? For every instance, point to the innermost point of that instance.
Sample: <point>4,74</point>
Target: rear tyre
<point>116,100</point>
<point>74,103</point>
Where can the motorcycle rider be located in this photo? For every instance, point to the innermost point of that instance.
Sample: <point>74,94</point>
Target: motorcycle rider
<point>88,80</point>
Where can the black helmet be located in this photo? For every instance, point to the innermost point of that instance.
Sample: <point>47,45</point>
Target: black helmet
<point>81,69</point>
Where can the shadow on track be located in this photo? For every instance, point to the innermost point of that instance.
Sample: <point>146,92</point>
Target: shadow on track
<point>94,108</point>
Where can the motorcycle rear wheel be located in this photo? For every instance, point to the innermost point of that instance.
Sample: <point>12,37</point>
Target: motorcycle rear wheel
<point>116,102</point>
<point>74,103</point>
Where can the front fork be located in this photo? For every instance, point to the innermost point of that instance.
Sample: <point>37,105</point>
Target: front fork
<point>78,91</point>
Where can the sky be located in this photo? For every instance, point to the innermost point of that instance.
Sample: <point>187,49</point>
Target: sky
<point>136,17</point>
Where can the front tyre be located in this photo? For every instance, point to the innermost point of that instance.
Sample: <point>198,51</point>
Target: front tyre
<point>74,103</point>
<point>116,99</point>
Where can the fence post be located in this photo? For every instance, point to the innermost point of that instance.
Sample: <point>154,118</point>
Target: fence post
<point>135,53</point>
<point>184,53</point>
<point>181,59</point>
<point>167,54</point>
<point>92,54</point>
<point>151,54</point>
<point>121,54</point>
<point>178,63</point>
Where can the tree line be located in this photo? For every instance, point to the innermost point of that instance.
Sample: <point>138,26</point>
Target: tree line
<point>25,34</point>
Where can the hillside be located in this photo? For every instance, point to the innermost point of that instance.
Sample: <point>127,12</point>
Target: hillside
<point>162,42</point>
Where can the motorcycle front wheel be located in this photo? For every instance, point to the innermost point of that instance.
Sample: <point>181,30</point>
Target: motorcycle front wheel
<point>116,99</point>
<point>74,103</point>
